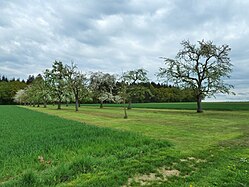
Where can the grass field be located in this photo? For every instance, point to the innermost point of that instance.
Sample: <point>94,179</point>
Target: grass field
<point>156,147</point>
<point>42,150</point>
<point>223,106</point>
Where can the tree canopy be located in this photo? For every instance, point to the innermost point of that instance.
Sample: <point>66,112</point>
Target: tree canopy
<point>198,71</point>
<point>56,81</point>
<point>77,83</point>
<point>202,67</point>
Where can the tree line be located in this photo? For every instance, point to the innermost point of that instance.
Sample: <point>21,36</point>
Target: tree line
<point>158,92</point>
<point>66,84</point>
<point>8,89</point>
<point>197,72</point>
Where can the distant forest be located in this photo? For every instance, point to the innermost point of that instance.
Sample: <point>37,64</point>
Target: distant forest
<point>9,87</point>
<point>158,92</point>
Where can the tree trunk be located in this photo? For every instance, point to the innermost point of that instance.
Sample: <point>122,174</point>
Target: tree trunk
<point>101,104</point>
<point>45,105</point>
<point>129,105</point>
<point>38,105</point>
<point>199,108</point>
<point>59,105</point>
<point>76,103</point>
<point>125,112</point>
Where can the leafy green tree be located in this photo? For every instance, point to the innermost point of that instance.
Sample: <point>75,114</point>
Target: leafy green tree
<point>3,78</point>
<point>41,90</point>
<point>102,85</point>
<point>20,96</point>
<point>8,90</point>
<point>201,67</point>
<point>57,82</point>
<point>30,79</point>
<point>31,97</point>
<point>77,83</point>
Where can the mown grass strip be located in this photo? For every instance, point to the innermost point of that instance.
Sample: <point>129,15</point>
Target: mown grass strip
<point>218,106</point>
<point>210,149</point>
<point>186,129</point>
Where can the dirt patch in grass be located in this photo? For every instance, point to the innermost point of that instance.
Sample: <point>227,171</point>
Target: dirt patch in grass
<point>196,160</point>
<point>161,175</point>
<point>164,174</point>
<point>193,159</point>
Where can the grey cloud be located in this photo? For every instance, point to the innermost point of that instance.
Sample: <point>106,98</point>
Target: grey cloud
<point>118,35</point>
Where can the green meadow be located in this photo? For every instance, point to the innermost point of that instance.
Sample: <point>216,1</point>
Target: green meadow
<point>223,106</point>
<point>155,146</point>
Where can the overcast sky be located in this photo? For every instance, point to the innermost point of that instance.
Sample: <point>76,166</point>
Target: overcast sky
<point>119,35</point>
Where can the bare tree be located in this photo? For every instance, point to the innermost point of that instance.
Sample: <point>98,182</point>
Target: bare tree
<point>123,96</point>
<point>132,79</point>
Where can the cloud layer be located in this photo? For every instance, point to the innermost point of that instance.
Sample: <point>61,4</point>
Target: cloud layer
<point>119,35</point>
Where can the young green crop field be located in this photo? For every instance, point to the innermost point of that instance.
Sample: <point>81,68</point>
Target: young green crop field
<point>42,150</point>
<point>153,147</point>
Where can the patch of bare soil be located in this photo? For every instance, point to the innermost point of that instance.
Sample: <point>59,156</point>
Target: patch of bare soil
<point>196,160</point>
<point>163,174</point>
<point>159,176</point>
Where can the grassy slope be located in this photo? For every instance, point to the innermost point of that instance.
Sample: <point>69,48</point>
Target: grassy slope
<point>219,137</point>
<point>73,153</point>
